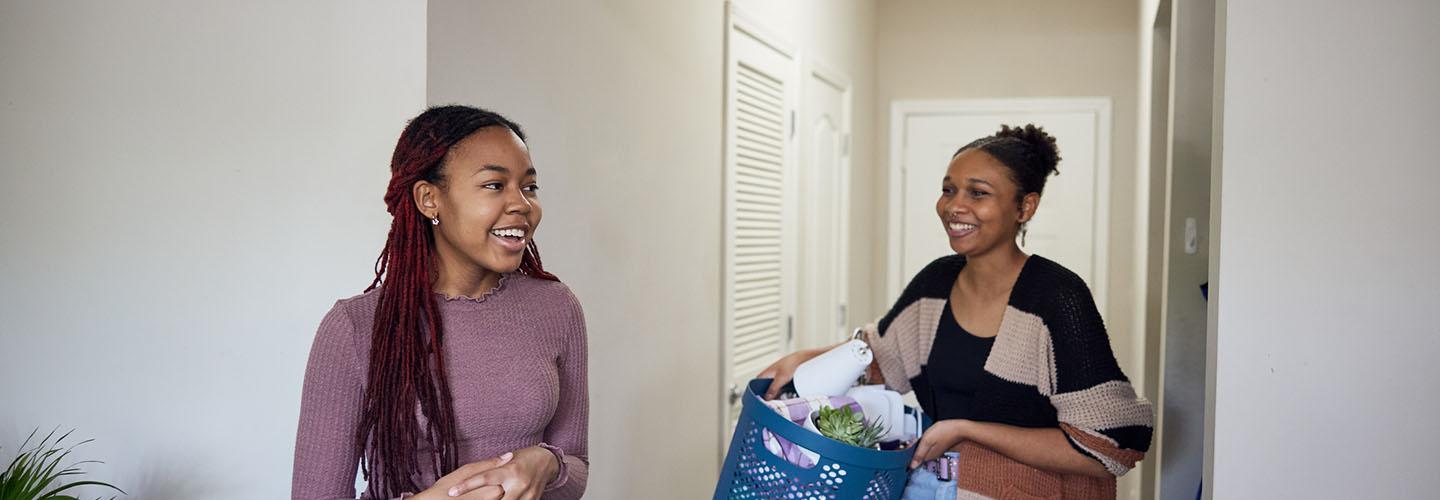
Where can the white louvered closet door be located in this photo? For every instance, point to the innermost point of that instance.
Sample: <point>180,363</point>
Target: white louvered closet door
<point>760,234</point>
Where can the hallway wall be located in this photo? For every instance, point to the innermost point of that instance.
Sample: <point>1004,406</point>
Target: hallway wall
<point>1322,326</point>
<point>187,189</point>
<point>622,103</point>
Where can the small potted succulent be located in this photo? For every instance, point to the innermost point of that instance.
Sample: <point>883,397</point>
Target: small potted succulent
<point>36,473</point>
<point>849,427</point>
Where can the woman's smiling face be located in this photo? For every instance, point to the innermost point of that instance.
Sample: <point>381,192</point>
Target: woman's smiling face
<point>487,202</point>
<point>978,204</point>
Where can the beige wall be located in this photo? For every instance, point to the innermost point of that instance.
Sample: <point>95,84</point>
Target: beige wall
<point>187,189</point>
<point>623,101</point>
<point>1322,329</point>
<point>939,49</point>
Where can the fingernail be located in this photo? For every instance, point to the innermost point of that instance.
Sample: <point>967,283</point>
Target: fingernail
<point>507,456</point>
<point>455,492</point>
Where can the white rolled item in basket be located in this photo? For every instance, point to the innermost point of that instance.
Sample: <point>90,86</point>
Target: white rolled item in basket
<point>835,371</point>
<point>885,406</point>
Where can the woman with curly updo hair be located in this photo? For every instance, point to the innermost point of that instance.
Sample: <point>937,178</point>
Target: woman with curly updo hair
<point>1005,351</point>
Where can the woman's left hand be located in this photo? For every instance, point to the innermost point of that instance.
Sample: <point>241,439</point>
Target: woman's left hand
<point>941,437</point>
<point>523,478</point>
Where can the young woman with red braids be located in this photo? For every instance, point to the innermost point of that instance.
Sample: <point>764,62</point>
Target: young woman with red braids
<point>460,372</point>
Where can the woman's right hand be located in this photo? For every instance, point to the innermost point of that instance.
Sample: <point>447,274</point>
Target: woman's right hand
<point>441,489</point>
<point>783,370</point>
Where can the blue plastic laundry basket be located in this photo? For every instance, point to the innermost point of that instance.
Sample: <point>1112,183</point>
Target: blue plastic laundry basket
<point>843,472</point>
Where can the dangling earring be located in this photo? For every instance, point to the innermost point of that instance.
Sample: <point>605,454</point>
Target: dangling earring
<point>435,221</point>
<point>1024,228</point>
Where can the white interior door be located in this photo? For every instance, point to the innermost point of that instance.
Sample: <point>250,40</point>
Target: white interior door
<point>760,206</point>
<point>1070,227</point>
<point>824,203</point>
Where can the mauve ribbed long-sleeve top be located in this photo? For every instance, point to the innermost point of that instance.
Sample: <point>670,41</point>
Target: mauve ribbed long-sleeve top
<point>516,365</point>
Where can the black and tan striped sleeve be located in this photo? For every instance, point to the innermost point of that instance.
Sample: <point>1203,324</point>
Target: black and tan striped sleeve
<point>1097,407</point>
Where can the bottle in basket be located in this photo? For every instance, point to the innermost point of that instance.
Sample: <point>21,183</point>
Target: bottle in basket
<point>835,371</point>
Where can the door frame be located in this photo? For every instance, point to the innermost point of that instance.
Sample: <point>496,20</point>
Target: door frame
<point>1152,199</point>
<point>902,110</point>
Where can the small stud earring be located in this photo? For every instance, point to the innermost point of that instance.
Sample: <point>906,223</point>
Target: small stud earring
<point>435,221</point>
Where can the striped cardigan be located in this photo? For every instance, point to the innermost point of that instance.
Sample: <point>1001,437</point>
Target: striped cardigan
<point>1051,366</point>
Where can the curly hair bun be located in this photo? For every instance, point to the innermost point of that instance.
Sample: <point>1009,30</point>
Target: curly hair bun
<point>1042,144</point>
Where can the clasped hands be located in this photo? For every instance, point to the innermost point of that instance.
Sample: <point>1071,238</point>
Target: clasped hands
<point>518,475</point>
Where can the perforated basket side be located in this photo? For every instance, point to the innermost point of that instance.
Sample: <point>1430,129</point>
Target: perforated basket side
<point>843,472</point>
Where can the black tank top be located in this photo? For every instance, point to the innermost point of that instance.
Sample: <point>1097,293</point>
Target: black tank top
<point>951,375</point>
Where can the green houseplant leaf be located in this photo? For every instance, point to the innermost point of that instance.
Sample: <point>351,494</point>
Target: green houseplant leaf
<point>36,472</point>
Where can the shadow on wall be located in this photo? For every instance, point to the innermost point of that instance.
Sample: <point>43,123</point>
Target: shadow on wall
<point>180,478</point>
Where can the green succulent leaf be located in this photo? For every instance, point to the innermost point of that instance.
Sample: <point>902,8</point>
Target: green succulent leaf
<point>844,425</point>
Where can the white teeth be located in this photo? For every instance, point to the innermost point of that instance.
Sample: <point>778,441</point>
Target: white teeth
<point>513,233</point>
<point>957,226</point>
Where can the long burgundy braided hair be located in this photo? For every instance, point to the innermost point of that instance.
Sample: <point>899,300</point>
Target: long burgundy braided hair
<point>407,364</point>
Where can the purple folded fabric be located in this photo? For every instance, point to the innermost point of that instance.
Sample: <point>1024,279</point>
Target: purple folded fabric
<point>798,410</point>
